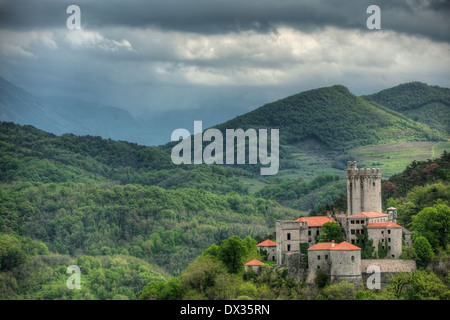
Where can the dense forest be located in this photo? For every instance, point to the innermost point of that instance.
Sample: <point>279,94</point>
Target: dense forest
<point>66,197</point>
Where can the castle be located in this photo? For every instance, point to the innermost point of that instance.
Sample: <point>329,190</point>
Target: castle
<point>342,261</point>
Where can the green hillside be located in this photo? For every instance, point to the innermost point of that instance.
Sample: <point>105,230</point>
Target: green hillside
<point>92,196</point>
<point>422,103</point>
<point>335,117</point>
<point>320,128</point>
<point>29,154</point>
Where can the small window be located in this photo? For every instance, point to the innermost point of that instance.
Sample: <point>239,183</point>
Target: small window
<point>389,231</point>
<point>288,247</point>
<point>309,232</point>
<point>389,239</point>
<point>318,267</point>
<point>326,257</point>
<point>288,236</point>
<point>353,258</point>
<point>318,257</point>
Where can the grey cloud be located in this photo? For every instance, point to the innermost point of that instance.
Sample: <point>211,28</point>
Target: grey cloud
<point>426,18</point>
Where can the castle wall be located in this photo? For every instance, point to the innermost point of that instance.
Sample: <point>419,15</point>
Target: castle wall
<point>319,260</point>
<point>271,252</point>
<point>289,236</point>
<point>388,268</point>
<point>346,265</point>
<point>388,237</point>
<point>389,265</point>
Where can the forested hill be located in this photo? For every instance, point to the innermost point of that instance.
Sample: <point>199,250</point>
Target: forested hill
<point>336,118</point>
<point>29,154</point>
<point>426,104</point>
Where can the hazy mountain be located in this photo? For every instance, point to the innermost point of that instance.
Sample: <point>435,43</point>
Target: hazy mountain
<point>21,107</point>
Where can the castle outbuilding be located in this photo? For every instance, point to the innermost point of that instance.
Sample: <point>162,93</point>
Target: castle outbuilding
<point>270,247</point>
<point>254,264</point>
<point>341,261</point>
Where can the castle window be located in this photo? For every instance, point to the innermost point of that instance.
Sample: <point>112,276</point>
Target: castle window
<point>288,236</point>
<point>389,239</point>
<point>317,232</point>
<point>389,248</point>
<point>352,231</point>
<point>389,231</point>
<point>353,258</point>
<point>318,257</point>
<point>318,267</point>
<point>288,247</point>
<point>309,232</point>
<point>326,257</point>
<point>374,184</point>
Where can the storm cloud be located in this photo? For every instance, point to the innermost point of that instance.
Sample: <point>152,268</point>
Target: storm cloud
<point>153,56</point>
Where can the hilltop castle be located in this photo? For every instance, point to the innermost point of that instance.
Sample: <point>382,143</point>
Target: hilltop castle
<point>342,261</point>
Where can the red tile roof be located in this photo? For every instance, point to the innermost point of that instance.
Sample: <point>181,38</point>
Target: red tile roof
<point>267,243</point>
<point>374,225</point>
<point>254,262</point>
<point>317,221</point>
<point>333,246</point>
<point>369,214</point>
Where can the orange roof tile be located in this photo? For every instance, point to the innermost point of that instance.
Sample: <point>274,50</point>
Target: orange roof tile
<point>317,221</point>
<point>369,214</point>
<point>383,225</point>
<point>345,246</point>
<point>254,262</point>
<point>267,243</point>
<point>321,246</point>
<point>333,246</point>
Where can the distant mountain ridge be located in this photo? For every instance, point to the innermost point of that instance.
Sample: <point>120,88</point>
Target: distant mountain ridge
<point>318,128</point>
<point>21,107</point>
<point>336,118</point>
<point>426,104</point>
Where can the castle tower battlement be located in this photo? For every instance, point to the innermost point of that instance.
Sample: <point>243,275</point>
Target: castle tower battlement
<point>363,189</point>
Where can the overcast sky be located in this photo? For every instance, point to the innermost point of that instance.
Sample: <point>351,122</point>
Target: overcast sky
<point>148,56</point>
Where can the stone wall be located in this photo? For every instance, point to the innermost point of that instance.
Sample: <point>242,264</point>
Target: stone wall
<point>388,268</point>
<point>389,265</point>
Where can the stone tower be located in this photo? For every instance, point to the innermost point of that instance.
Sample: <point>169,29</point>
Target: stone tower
<point>363,189</point>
